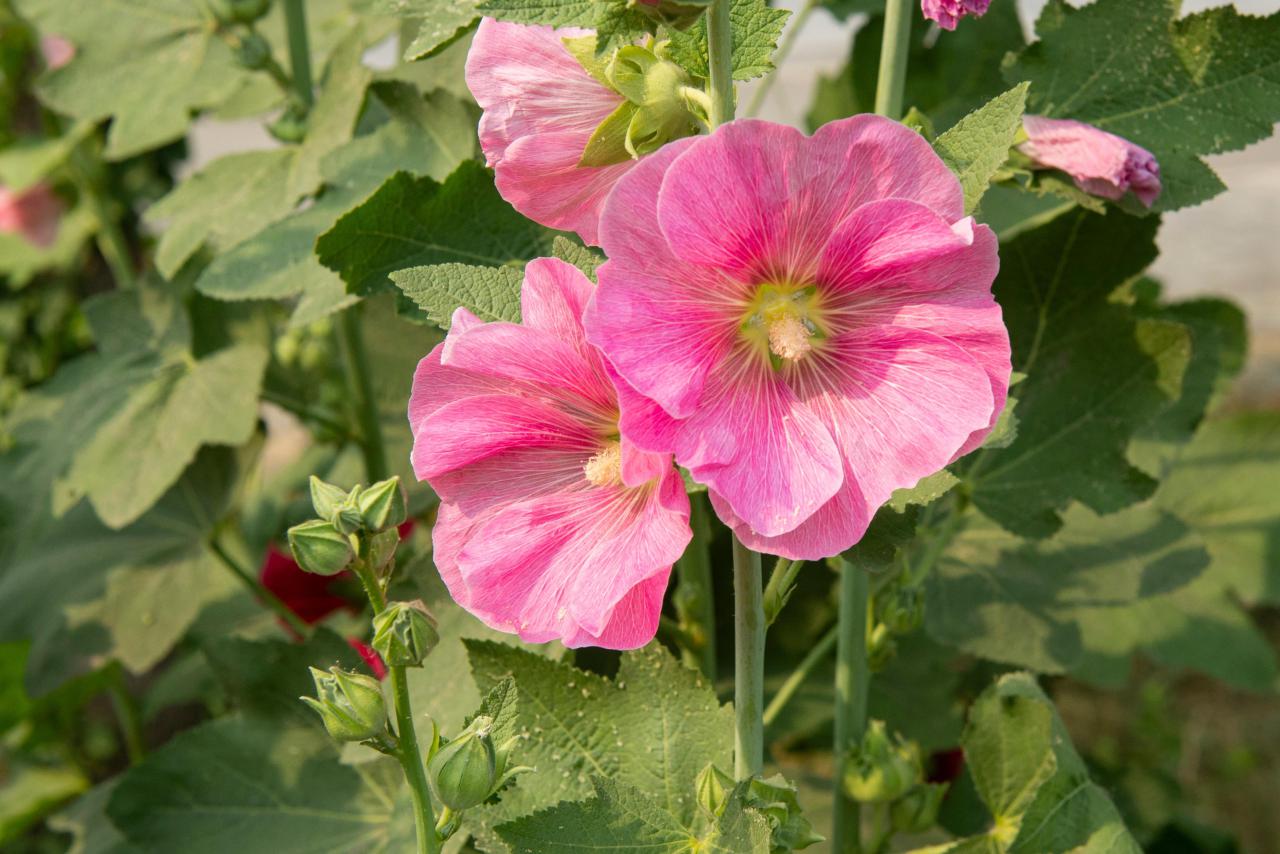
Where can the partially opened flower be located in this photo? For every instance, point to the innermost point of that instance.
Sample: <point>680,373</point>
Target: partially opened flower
<point>1100,163</point>
<point>33,213</point>
<point>561,126</point>
<point>550,525</point>
<point>807,323</point>
<point>947,13</point>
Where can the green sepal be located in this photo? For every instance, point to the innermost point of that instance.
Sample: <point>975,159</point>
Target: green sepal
<point>608,144</point>
<point>382,548</point>
<point>383,506</point>
<point>712,789</point>
<point>326,498</point>
<point>583,49</point>
<point>464,772</point>
<point>319,548</point>
<point>404,634</point>
<point>349,704</point>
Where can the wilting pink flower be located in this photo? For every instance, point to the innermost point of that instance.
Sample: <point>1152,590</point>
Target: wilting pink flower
<point>309,596</point>
<point>550,526</point>
<point>56,51</point>
<point>806,322</point>
<point>540,109</point>
<point>1100,163</point>
<point>948,13</point>
<point>33,213</point>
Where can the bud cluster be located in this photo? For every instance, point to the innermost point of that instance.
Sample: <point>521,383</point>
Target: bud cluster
<point>887,770</point>
<point>899,610</point>
<point>328,545</point>
<point>469,769</point>
<point>350,705</point>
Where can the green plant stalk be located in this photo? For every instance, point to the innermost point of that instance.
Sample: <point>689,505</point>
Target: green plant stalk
<point>784,50</point>
<point>798,676</point>
<point>126,709</point>
<point>893,57</point>
<point>720,62</point>
<point>776,592</point>
<point>694,597</point>
<point>271,600</point>
<point>407,752</point>
<point>110,240</point>
<point>852,680</point>
<point>360,384</point>
<point>748,674</point>
<point>295,21</point>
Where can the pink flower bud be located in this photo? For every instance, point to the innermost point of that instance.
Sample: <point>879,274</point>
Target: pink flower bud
<point>33,213</point>
<point>56,51</point>
<point>947,13</point>
<point>1100,163</point>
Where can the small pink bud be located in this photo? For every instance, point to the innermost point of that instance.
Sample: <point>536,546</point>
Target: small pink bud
<point>33,213</point>
<point>1100,163</point>
<point>947,13</point>
<point>56,51</point>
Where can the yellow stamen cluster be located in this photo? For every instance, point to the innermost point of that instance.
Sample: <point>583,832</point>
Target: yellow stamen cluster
<point>784,321</point>
<point>605,468</point>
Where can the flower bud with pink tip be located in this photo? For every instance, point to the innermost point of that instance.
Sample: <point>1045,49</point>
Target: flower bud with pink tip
<point>56,51</point>
<point>33,213</point>
<point>551,525</point>
<point>1100,163</point>
<point>947,13</point>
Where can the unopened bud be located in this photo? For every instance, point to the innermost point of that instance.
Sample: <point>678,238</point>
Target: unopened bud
<point>464,772</point>
<point>917,810</point>
<point>253,52</point>
<point>326,498</point>
<point>712,789</point>
<point>404,634</point>
<point>248,11</point>
<point>880,769</point>
<point>319,549</point>
<point>350,704</point>
<point>382,505</point>
<point>881,648</point>
<point>346,517</point>
<point>382,548</point>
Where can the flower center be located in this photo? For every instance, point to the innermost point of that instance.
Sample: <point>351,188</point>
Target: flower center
<point>605,468</point>
<point>784,321</point>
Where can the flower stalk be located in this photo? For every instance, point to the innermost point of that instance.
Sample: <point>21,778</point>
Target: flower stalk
<point>893,58</point>
<point>852,679</point>
<point>361,386</point>
<point>720,62</point>
<point>748,690</point>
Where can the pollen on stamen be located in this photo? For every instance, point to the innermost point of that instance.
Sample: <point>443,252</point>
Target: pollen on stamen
<point>605,468</point>
<point>788,337</point>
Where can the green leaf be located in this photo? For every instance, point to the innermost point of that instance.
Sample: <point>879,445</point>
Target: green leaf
<point>28,161</point>
<point>413,222</point>
<point>978,145</point>
<point>1181,87</point>
<point>440,24</point>
<point>585,259</point>
<point>1097,372</point>
<point>653,728</point>
<point>244,784</point>
<point>756,29</point>
<point>625,820</point>
<point>491,293</point>
<point>555,13</point>
<point>91,830</point>
<point>1009,747</point>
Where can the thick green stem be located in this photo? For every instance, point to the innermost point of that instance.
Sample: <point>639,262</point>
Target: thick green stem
<point>720,62</point>
<point>360,384</point>
<point>295,21</point>
<point>798,676</point>
<point>265,596</point>
<point>893,57</point>
<point>407,752</point>
<point>694,597</point>
<point>784,50</point>
<point>748,675</point>
<point>852,679</point>
<point>781,581</point>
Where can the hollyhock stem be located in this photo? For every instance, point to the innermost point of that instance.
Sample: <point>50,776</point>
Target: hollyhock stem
<point>748,674</point>
<point>295,21</point>
<point>893,57</point>
<point>852,678</point>
<point>694,598</point>
<point>407,752</point>
<point>720,62</point>
<point>265,596</point>
<point>361,386</point>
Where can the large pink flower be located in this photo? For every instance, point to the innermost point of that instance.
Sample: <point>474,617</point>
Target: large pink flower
<point>550,526</point>
<point>807,323</point>
<point>947,13</point>
<point>33,213</point>
<point>540,109</point>
<point>1100,163</point>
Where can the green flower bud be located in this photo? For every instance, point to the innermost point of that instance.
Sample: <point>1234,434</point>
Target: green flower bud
<point>248,11</point>
<point>903,609</point>
<point>349,704</point>
<point>881,648</point>
<point>712,789</point>
<point>346,517</point>
<point>404,634</point>
<point>253,52</point>
<point>775,799</point>
<point>291,127</point>
<point>319,548</point>
<point>879,769</point>
<point>326,498</point>
<point>917,810</point>
<point>382,505</point>
<point>464,772</point>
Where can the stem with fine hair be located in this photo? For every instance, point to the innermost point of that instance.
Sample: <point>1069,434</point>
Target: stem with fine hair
<point>295,21</point>
<point>407,752</point>
<point>852,679</point>
<point>893,57</point>
<point>720,62</point>
<point>360,385</point>
<point>784,50</point>
<point>748,674</point>
<point>694,597</point>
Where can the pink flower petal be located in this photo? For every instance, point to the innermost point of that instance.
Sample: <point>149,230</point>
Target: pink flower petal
<point>1100,163</point>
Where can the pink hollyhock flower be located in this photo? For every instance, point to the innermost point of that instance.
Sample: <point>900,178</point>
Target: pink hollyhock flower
<point>33,213</point>
<point>805,322</point>
<point>947,13</point>
<point>56,51</point>
<point>1100,163</point>
<point>550,525</point>
<point>540,109</point>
